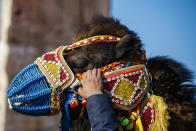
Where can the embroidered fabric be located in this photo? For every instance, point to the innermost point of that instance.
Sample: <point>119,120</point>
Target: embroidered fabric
<point>56,70</point>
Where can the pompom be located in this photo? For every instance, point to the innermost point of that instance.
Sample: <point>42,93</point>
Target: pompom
<point>74,103</point>
<point>83,101</point>
<point>125,122</point>
<point>133,116</point>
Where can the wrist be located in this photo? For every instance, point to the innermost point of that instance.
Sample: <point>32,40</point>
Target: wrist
<point>94,94</point>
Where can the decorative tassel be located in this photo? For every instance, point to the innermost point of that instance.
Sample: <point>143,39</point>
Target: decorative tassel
<point>74,101</point>
<point>83,101</point>
<point>138,125</point>
<point>161,114</point>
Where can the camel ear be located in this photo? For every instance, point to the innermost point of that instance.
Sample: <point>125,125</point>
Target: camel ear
<point>127,46</point>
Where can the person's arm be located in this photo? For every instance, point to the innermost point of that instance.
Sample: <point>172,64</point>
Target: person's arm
<point>99,107</point>
<point>101,114</point>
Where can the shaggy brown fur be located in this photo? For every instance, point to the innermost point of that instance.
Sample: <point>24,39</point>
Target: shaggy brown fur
<point>169,76</point>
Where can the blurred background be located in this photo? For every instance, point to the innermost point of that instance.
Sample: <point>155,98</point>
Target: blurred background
<point>30,28</point>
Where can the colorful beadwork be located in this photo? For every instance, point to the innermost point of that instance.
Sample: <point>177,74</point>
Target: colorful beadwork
<point>139,59</point>
<point>94,39</point>
<point>126,86</point>
<point>127,89</point>
<point>56,70</point>
<point>125,81</point>
<point>148,115</point>
<point>55,103</point>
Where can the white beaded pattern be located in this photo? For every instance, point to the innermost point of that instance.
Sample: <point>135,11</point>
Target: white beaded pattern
<point>60,66</point>
<point>137,86</point>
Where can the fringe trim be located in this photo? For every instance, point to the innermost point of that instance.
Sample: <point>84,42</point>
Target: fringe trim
<point>162,117</point>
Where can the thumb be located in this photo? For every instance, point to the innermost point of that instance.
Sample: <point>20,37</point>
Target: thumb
<point>80,91</point>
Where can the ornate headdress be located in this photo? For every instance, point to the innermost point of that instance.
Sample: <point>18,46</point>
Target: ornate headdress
<point>38,88</point>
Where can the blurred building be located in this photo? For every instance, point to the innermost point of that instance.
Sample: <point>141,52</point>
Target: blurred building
<point>30,29</point>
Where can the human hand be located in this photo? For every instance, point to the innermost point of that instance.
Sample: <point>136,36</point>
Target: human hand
<point>91,83</point>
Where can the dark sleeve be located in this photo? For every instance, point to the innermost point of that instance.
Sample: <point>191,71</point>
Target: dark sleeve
<point>101,113</point>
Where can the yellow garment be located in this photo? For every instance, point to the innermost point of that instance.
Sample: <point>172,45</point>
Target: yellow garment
<point>162,117</point>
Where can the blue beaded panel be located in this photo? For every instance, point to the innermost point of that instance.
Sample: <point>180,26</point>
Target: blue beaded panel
<point>29,92</point>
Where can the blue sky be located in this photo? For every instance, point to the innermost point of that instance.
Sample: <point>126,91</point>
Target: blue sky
<point>166,27</point>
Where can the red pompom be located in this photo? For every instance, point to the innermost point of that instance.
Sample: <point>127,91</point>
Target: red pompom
<point>83,101</point>
<point>74,103</point>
